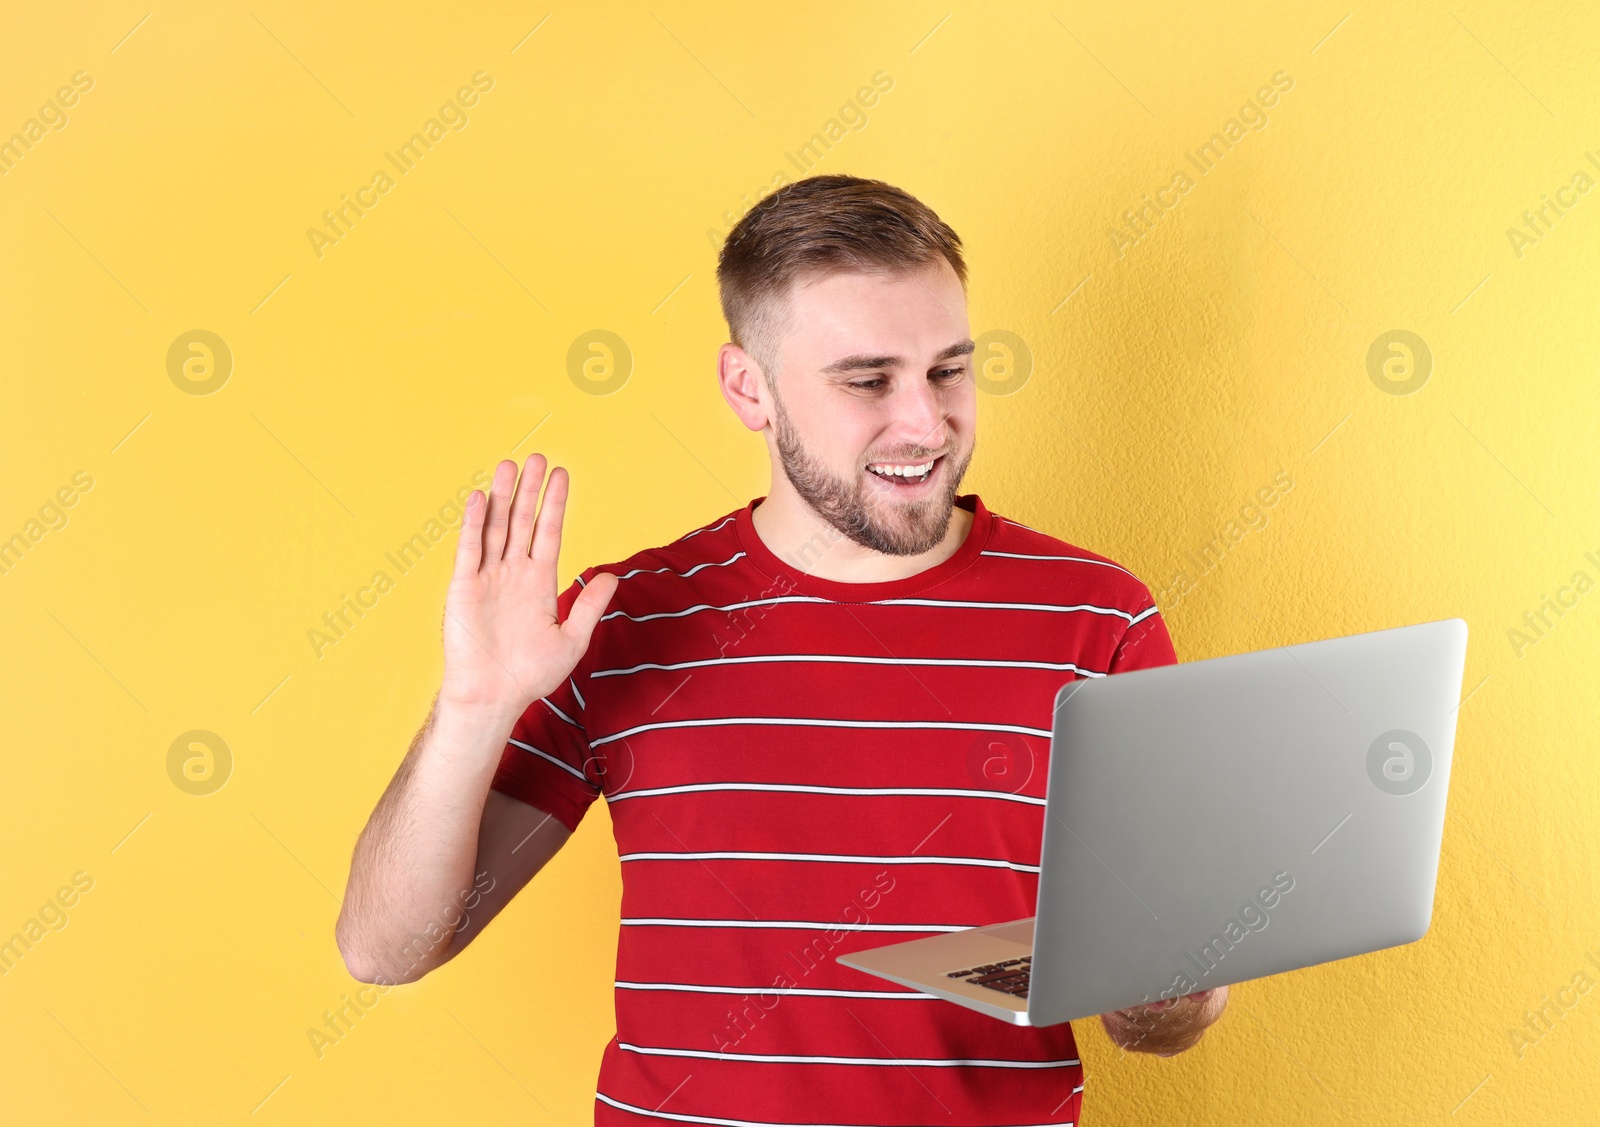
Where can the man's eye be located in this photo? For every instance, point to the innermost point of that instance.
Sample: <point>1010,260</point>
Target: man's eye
<point>948,375</point>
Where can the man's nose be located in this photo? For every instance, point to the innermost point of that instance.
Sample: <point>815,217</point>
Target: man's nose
<point>920,415</point>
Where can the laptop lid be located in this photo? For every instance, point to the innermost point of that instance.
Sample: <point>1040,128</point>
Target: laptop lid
<point>1222,820</point>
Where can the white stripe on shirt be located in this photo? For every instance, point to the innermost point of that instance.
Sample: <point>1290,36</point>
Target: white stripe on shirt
<point>805,721</point>
<point>1019,524</point>
<point>786,925</point>
<point>799,991</point>
<point>681,574</point>
<point>567,767</point>
<point>1072,559</point>
<point>707,606</point>
<point>561,714</point>
<point>1061,666</point>
<point>896,1062</point>
<point>1054,607</point>
<point>837,858</point>
<point>801,788</point>
<point>781,599</point>
<point>706,528</point>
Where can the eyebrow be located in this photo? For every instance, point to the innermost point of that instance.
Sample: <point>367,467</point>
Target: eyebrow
<point>864,361</point>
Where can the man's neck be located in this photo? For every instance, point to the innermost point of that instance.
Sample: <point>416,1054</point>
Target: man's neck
<point>794,533</point>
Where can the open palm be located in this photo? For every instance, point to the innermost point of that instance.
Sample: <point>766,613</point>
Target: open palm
<point>504,646</point>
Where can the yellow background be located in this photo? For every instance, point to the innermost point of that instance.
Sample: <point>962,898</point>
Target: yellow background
<point>370,384</point>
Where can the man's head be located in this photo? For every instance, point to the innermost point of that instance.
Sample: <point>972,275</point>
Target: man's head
<point>846,304</point>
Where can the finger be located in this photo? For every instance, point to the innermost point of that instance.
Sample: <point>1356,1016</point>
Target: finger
<point>469,549</point>
<point>523,504</point>
<point>547,532</point>
<point>494,531</point>
<point>587,609</point>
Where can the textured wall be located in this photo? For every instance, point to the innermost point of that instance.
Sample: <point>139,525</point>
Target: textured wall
<point>1180,364</point>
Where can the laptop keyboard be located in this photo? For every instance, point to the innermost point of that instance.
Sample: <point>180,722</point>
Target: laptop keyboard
<point>1010,977</point>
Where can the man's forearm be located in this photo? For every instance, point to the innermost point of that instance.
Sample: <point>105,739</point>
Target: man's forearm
<point>414,860</point>
<point>1172,1028</point>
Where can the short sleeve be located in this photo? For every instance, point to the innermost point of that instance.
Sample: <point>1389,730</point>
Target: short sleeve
<point>546,761</point>
<point>1146,643</point>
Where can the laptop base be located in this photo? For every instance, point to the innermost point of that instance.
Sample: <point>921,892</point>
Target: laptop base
<point>927,964</point>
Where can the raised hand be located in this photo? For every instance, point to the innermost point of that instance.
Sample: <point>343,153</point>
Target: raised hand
<point>504,647</point>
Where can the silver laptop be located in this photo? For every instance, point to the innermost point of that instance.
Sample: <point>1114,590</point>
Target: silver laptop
<point>1220,820</point>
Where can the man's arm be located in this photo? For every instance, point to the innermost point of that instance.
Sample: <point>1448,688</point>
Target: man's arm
<point>1168,1027</point>
<point>514,843</point>
<point>442,853</point>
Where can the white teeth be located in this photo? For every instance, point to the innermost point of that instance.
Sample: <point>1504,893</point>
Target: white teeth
<point>901,471</point>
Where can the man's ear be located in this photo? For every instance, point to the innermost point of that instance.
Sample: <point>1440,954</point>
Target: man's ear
<point>743,385</point>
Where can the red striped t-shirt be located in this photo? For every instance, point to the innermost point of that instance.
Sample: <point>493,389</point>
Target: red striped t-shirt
<point>797,768</point>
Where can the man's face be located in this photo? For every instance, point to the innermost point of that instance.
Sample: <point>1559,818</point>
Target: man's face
<point>875,371</point>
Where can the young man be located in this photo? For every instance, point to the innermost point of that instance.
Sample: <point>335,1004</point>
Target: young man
<point>806,716</point>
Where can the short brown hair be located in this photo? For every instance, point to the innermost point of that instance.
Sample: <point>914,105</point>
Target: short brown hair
<point>821,225</point>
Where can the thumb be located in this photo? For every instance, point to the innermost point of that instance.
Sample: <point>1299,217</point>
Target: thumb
<point>588,607</point>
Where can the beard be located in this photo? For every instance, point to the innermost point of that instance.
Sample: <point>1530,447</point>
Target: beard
<point>861,511</point>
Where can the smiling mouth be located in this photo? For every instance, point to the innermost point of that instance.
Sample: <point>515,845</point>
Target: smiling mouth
<point>901,475</point>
